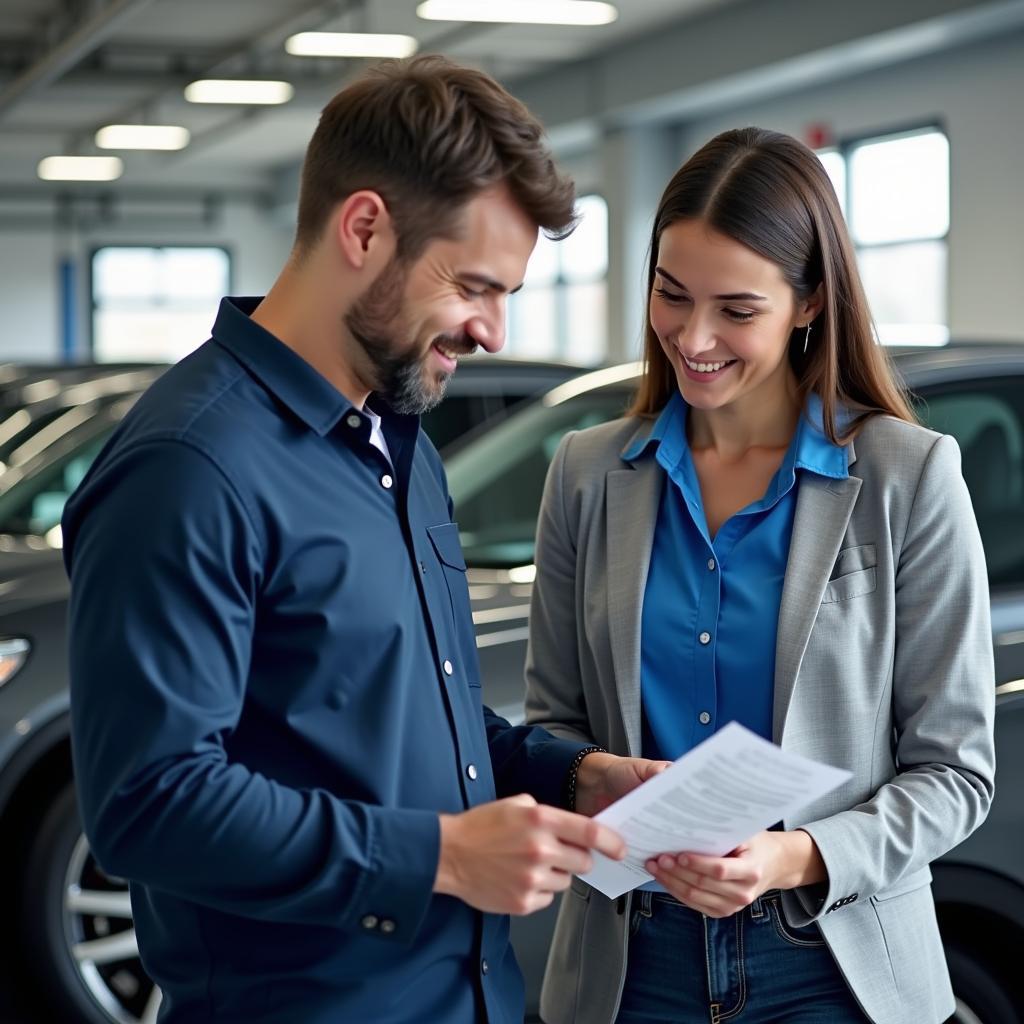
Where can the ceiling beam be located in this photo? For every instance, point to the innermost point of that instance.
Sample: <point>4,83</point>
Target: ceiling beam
<point>89,35</point>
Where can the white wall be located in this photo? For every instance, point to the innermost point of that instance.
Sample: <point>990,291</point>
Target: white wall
<point>977,95</point>
<point>30,302</point>
<point>29,310</point>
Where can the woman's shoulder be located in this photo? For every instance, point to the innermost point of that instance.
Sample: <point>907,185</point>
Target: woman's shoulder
<point>602,446</point>
<point>892,440</point>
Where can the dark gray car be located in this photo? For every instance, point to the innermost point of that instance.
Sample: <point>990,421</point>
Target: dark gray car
<point>76,923</point>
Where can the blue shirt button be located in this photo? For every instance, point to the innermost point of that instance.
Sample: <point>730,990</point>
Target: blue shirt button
<point>705,638</point>
<point>711,564</point>
<point>704,718</point>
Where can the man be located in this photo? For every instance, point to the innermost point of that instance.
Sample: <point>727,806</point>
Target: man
<point>278,733</point>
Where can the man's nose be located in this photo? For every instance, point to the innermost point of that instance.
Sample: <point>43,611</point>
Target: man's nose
<point>488,330</point>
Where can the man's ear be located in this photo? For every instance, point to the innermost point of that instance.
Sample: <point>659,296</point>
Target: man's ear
<point>363,229</point>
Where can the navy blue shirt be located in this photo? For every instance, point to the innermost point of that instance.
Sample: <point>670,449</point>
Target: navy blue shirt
<point>275,690</point>
<point>711,605</point>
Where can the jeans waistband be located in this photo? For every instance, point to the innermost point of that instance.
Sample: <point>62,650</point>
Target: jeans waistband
<point>645,900</point>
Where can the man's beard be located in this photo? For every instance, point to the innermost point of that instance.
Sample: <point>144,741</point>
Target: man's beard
<point>400,377</point>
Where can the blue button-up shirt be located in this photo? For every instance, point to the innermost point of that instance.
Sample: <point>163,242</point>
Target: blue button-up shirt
<point>275,691</point>
<point>711,606</point>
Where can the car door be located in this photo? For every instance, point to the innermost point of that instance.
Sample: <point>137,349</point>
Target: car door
<point>986,417</point>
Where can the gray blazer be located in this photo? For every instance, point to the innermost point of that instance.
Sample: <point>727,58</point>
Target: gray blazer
<point>883,667</point>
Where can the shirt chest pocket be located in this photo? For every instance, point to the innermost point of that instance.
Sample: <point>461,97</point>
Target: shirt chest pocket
<point>445,541</point>
<point>853,575</point>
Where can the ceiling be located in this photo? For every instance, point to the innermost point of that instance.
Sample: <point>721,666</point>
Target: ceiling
<point>68,67</point>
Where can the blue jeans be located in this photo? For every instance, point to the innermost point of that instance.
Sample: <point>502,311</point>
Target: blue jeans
<point>751,968</point>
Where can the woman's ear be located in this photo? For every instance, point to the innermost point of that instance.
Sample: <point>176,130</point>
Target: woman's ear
<point>811,306</point>
<point>363,230</point>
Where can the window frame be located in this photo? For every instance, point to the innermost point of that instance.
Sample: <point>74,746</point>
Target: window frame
<point>845,147</point>
<point>227,249</point>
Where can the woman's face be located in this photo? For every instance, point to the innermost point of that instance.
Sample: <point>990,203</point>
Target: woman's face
<point>723,315</point>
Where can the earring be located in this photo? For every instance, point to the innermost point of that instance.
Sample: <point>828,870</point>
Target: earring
<point>807,338</point>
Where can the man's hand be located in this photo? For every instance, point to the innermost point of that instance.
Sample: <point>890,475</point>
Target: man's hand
<point>511,856</point>
<point>720,886</point>
<point>603,778</point>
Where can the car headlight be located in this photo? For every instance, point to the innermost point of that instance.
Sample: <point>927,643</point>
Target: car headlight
<point>13,653</point>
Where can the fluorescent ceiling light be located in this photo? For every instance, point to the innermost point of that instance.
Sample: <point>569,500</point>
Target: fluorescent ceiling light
<point>528,12</point>
<point>350,44</point>
<point>142,136</point>
<point>227,90</point>
<point>80,168</point>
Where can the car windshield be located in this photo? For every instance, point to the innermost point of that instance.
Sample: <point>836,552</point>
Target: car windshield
<point>496,482</point>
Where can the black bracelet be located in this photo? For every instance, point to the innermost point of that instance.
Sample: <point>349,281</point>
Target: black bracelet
<point>570,781</point>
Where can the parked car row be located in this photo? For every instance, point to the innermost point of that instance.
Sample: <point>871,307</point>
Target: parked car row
<point>75,923</point>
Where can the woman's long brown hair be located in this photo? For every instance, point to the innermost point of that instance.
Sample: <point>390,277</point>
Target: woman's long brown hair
<point>769,192</point>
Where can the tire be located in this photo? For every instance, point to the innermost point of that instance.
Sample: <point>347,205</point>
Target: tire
<point>981,993</point>
<point>68,903</point>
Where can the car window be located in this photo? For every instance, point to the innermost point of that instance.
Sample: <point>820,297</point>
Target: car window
<point>987,419</point>
<point>34,505</point>
<point>497,480</point>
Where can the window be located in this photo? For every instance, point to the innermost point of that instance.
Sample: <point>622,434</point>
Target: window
<point>561,311</point>
<point>987,419</point>
<point>894,191</point>
<point>155,304</point>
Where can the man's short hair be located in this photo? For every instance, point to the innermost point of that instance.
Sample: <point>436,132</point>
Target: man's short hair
<point>427,135</point>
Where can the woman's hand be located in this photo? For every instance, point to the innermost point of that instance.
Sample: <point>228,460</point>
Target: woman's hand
<point>720,886</point>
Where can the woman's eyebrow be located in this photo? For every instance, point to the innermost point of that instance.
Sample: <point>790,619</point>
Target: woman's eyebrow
<point>731,297</point>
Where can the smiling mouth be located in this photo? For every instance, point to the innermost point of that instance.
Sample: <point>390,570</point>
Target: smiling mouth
<point>699,367</point>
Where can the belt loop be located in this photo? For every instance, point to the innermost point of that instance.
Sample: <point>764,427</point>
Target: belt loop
<point>646,900</point>
<point>757,910</point>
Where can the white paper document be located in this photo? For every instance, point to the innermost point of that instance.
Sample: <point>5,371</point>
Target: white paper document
<point>722,792</point>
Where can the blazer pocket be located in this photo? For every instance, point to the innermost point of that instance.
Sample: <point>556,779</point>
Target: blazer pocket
<point>853,575</point>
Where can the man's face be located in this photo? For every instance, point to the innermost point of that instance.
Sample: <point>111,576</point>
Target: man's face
<point>415,320</point>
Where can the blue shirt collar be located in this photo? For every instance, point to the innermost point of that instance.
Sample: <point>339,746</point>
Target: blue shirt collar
<point>809,450</point>
<point>281,370</point>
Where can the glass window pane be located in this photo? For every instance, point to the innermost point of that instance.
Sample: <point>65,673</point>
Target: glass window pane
<point>149,336</point>
<point>987,419</point>
<point>155,304</point>
<point>835,168</point>
<point>193,273</point>
<point>125,273</point>
<point>543,266</point>
<point>531,324</point>
<point>587,323</point>
<point>906,289</point>
<point>584,254</point>
<point>899,188</point>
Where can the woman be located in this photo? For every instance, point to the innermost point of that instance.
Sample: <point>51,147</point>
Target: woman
<point>767,537</point>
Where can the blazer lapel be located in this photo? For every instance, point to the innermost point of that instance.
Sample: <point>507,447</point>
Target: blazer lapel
<point>823,511</point>
<point>633,496</point>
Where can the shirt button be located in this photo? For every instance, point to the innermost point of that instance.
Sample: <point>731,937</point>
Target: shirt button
<point>483,967</point>
<point>386,481</point>
<point>353,421</point>
<point>704,718</point>
<point>387,926</point>
<point>471,771</point>
<point>711,564</point>
<point>705,638</point>
<point>370,921</point>
<point>448,667</point>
